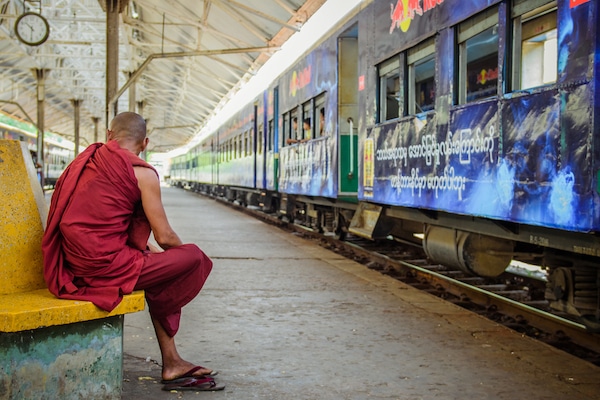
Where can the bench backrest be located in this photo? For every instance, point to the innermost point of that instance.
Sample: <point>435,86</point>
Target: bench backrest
<point>23,213</point>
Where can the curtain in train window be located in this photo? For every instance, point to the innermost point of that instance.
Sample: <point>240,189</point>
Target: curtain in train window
<point>478,57</point>
<point>421,77</point>
<point>389,89</point>
<point>535,43</point>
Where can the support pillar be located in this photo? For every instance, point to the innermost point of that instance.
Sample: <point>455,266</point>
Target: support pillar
<point>140,107</point>
<point>112,56</point>
<point>41,75</point>
<point>132,96</point>
<point>95,120</point>
<point>76,119</point>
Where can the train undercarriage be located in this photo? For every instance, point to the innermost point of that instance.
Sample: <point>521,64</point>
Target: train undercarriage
<point>480,247</point>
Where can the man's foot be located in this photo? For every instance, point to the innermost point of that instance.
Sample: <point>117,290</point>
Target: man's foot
<point>195,372</point>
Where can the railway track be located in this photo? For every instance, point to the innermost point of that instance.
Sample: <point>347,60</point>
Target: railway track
<point>515,301</point>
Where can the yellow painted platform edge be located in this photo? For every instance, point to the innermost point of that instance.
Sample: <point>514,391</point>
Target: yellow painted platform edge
<point>40,308</point>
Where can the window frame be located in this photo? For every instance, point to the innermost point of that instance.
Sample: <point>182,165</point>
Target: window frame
<point>318,130</point>
<point>524,11</point>
<point>387,70</point>
<point>307,112</point>
<point>467,30</point>
<point>271,133</point>
<point>415,56</point>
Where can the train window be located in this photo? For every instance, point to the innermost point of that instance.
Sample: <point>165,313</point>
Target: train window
<point>271,134</point>
<point>240,142</point>
<point>286,127</point>
<point>250,142</point>
<point>260,142</point>
<point>307,120</point>
<point>246,143</point>
<point>389,89</point>
<point>478,57</point>
<point>319,123</point>
<point>290,126</point>
<point>421,77</point>
<point>535,48</point>
<point>294,132</point>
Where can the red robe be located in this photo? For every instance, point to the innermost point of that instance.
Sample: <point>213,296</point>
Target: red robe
<point>96,231</point>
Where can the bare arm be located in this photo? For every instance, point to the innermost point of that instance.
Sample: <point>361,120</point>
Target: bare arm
<point>149,185</point>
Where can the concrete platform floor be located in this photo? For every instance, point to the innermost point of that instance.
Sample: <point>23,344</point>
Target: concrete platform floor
<point>282,318</point>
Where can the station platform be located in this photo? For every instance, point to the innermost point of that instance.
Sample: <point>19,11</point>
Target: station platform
<point>283,318</point>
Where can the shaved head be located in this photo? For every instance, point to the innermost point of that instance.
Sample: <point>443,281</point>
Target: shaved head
<point>128,126</point>
<point>129,130</point>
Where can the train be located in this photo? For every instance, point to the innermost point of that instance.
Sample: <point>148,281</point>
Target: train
<point>58,152</point>
<point>470,128</point>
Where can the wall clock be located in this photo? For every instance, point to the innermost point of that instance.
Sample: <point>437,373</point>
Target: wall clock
<point>32,28</point>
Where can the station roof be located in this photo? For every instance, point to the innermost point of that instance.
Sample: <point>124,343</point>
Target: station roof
<point>186,57</point>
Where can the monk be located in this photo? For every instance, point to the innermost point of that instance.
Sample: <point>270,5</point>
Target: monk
<point>95,247</point>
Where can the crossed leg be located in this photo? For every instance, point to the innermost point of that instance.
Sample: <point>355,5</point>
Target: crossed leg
<point>172,279</point>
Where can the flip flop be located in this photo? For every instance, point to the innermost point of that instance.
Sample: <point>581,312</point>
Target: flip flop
<point>206,384</point>
<point>190,374</point>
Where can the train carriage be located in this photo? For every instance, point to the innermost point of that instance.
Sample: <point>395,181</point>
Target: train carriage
<point>467,127</point>
<point>318,176</point>
<point>58,153</point>
<point>479,125</point>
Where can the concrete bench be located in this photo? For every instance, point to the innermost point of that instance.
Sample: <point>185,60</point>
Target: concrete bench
<point>49,348</point>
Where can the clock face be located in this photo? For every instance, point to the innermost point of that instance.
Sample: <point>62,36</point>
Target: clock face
<point>32,29</point>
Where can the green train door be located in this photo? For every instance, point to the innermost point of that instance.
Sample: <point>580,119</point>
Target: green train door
<point>348,113</point>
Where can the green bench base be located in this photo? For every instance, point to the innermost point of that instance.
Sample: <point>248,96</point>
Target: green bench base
<point>83,360</point>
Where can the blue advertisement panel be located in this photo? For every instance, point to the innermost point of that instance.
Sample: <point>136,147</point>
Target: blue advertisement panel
<point>306,169</point>
<point>516,165</point>
<point>413,164</point>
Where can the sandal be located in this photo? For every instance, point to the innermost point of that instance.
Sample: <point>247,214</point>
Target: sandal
<point>206,384</point>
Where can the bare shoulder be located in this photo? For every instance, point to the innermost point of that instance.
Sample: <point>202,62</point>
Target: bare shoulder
<point>145,176</point>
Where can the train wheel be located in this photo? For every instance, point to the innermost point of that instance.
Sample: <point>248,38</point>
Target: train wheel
<point>340,227</point>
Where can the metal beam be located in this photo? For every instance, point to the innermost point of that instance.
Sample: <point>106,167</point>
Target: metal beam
<point>198,53</point>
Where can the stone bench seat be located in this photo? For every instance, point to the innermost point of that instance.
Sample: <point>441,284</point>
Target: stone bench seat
<point>40,308</point>
<point>50,348</point>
